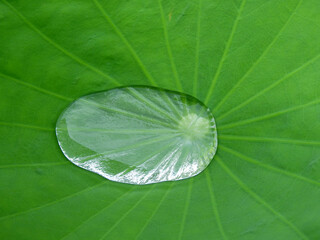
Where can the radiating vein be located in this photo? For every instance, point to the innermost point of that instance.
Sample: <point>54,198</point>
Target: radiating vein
<point>125,41</point>
<point>102,130</point>
<point>258,8</point>
<point>268,88</point>
<point>29,85</point>
<point>267,116</point>
<point>170,104</point>
<point>196,66</point>
<point>149,157</point>
<point>32,165</point>
<point>225,52</point>
<point>269,167</point>
<point>155,210</point>
<point>165,32</point>
<point>126,214</point>
<point>128,147</point>
<point>267,139</point>
<point>186,208</point>
<point>129,114</point>
<point>79,60</point>
<point>53,202</point>
<point>257,198</point>
<point>151,104</point>
<point>214,205</point>
<point>121,130</point>
<point>57,46</point>
<point>23,125</point>
<point>100,211</point>
<point>133,52</point>
<point>236,85</point>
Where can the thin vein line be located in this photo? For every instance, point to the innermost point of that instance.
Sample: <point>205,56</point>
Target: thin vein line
<point>147,158</point>
<point>267,116</point>
<point>151,104</point>
<point>257,8</point>
<point>125,41</point>
<point>122,130</point>
<point>97,213</point>
<point>170,102</point>
<point>186,207</point>
<point>214,206</point>
<point>129,114</point>
<point>29,85</point>
<point>151,131</point>
<point>155,211</point>
<point>132,51</point>
<point>56,45</point>
<point>260,200</point>
<point>32,165</point>
<point>165,32</point>
<point>126,214</point>
<point>53,202</point>
<point>196,67</point>
<point>127,147</point>
<point>269,167</point>
<point>26,126</point>
<point>225,52</point>
<point>235,86</point>
<point>74,57</point>
<point>268,88</point>
<point>266,139</point>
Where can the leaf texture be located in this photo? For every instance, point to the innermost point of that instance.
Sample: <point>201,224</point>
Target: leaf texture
<point>255,64</point>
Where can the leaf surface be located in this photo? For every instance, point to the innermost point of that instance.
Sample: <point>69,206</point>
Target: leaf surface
<point>255,64</point>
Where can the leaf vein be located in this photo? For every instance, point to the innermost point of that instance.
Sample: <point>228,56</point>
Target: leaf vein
<point>267,166</point>
<point>196,66</point>
<point>39,89</point>
<point>154,212</point>
<point>266,139</point>
<point>125,41</point>
<point>32,165</point>
<point>225,52</point>
<point>165,32</point>
<point>97,213</point>
<point>214,206</point>
<point>257,198</point>
<point>59,47</point>
<point>267,116</point>
<point>126,214</point>
<point>186,207</point>
<point>53,202</point>
<point>235,86</point>
<point>22,125</point>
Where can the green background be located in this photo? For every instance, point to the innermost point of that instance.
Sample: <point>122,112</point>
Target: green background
<point>254,63</point>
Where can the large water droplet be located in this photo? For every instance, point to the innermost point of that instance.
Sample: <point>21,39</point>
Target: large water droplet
<point>138,135</point>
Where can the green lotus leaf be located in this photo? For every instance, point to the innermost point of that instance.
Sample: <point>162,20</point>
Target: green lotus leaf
<point>255,64</point>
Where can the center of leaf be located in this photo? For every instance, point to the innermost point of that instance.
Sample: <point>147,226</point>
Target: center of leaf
<point>193,126</point>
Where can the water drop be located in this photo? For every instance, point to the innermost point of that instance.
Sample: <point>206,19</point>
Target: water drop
<point>138,135</point>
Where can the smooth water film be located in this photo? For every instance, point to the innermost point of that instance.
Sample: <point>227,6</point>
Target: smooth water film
<point>138,135</point>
